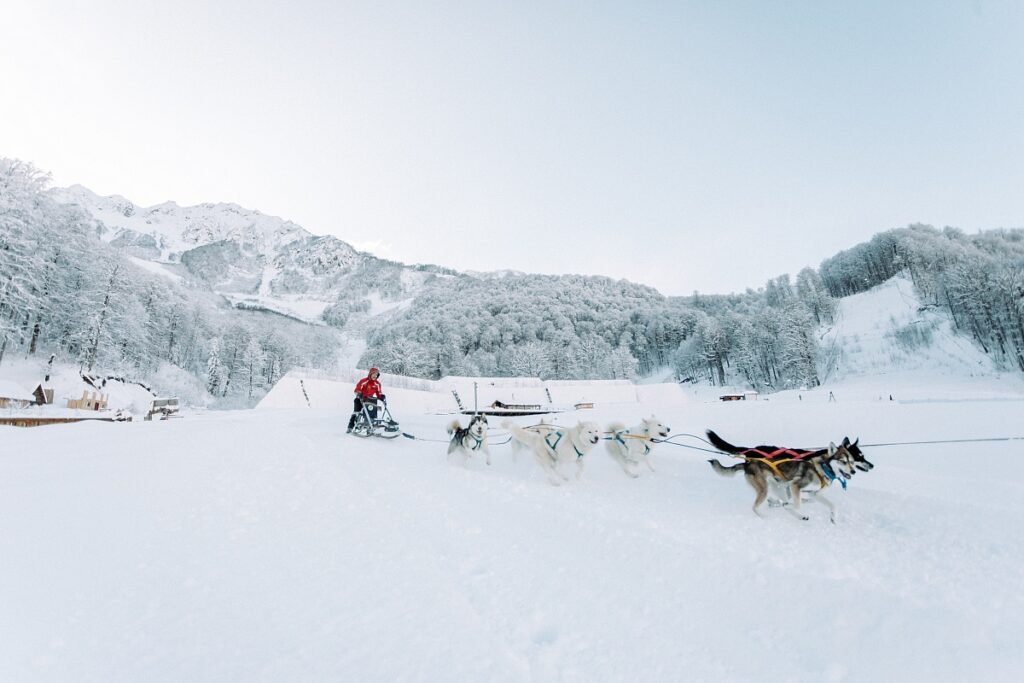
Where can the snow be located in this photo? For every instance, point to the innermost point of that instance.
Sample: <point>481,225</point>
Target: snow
<point>268,545</point>
<point>378,306</point>
<point>154,267</point>
<point>594,391</point>
<point>67,383</point>
<point>326,390</point>
<point>302,308</point>
<point>15,391</point>
<point>860,343</point>
<point>180,228</point>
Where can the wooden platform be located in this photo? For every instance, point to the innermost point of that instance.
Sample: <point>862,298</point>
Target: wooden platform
<point>507,412</point>
<point>33,421</point>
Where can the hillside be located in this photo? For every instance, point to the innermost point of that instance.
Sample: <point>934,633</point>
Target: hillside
<point>253,260</point>
<point>887,336</point>
<point>204,289</point>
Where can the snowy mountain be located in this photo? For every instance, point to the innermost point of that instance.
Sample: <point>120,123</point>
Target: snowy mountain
<point>166,231</point>
<point>254,260</point>
<point>914,299</point>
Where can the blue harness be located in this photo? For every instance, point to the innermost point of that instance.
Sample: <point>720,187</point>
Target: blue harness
<point>618,437</point>
<point>831,475</point>
<point>554,446</point>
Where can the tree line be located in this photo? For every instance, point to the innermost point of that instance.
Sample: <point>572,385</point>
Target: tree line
<point>65,291</point>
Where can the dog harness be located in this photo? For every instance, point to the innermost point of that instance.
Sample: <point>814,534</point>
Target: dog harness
<point>618,437</point>
<point>479,442</point>
<point>824,471</point>
<point>831,475</point>
<point>791,453</point>
<point>554,446</point>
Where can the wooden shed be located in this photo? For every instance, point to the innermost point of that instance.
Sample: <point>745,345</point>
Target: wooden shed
<point>14,396</point>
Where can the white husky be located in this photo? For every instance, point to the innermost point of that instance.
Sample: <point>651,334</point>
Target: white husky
<point>554,445</point>
<point>630,447</point>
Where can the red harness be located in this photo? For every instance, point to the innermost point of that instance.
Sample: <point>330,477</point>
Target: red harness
<point>766,454</point>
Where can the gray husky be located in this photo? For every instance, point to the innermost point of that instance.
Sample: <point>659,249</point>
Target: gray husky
<point>798,470</point>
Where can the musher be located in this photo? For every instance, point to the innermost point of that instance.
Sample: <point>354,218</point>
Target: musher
<point>368,388</point>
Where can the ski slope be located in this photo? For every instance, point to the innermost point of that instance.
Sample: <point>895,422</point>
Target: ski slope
<point>268,545</point>
<point>863,344</point>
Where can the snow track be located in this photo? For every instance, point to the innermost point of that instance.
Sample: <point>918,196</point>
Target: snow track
<point>267,545</point>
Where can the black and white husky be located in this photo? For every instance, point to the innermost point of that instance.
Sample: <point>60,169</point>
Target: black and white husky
<point>469,440</point>
<point>630,447</point>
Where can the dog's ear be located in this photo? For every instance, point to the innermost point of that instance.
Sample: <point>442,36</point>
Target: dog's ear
<point>846,441</point>
<point>832,448</point>
<point>857,441</point>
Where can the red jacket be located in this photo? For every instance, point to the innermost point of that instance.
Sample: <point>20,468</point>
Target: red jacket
<point>368,388</point>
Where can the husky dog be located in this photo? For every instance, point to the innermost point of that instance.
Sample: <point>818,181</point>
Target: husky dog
<point>798,470</point>
<point>467,440</point>
<point>630,447</point>
<point>544,426</point>
<point>554,445</point>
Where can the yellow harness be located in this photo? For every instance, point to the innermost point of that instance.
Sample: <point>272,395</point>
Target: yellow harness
<point>773,465</point>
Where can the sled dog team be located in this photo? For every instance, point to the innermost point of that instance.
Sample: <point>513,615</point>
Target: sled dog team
<point>781,476</point>
<point>553,446</point>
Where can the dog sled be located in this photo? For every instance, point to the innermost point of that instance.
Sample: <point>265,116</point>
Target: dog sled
<point>374,419</point>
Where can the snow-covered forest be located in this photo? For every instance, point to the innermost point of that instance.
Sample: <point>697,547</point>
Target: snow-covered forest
<point>211,333</point>
<point>64,291</point>
<point>589,327</point>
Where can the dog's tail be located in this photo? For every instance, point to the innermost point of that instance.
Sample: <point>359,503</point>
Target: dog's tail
<point>721,444</point>
<point>519,434</point>
<point>517,431</point>
<point>454,426</point>
<point>723,470</point>
<point>616,427</point>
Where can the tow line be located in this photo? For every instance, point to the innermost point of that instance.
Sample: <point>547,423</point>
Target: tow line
<point>866,445</point>
<point>421,438</point>
<point>671,441</point>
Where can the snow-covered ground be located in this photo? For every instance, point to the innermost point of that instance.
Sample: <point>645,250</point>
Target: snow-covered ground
<point>268,545</point>
<point>886,331</point>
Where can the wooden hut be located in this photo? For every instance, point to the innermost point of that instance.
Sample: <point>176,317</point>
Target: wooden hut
<point>13,396</point>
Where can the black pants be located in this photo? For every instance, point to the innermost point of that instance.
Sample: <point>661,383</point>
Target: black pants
<point>357,407</point>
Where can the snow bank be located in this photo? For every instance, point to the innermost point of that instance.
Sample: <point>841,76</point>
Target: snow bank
<point>67,383</point>
<point>295,391</point>
<point>595,391</point>
<point>529,390</point>
<point>328,390</point>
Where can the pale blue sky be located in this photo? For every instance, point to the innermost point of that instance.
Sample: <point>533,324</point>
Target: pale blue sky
<point>684,145</point>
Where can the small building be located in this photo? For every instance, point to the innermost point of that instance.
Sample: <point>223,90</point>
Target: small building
<point>745,396</point>
<point>89,401</point>
<point>13,396</point>
<point>43,395</point>
<point>163,408</point>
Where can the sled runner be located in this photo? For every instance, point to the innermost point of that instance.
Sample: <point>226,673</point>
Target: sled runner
<point>373,422</point>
